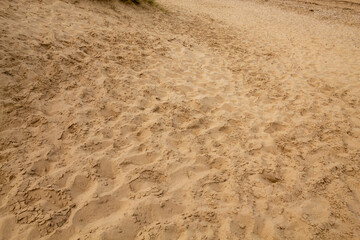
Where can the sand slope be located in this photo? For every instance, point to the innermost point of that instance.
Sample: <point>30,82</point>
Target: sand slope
<point>219,120</point>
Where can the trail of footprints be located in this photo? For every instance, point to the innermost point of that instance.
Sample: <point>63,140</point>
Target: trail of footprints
<point>138,139</point>
<point>149,157</point>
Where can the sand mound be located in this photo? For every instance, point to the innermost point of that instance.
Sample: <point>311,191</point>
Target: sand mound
<point>218,120</point>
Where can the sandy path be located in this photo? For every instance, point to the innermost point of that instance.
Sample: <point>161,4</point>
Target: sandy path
<point>221,120</point>
<point>301,80</point>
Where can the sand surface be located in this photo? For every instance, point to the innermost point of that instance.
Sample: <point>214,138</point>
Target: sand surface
<point>217,120</point>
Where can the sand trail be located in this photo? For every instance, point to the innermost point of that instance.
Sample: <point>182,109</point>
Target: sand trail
<point>219,120</point>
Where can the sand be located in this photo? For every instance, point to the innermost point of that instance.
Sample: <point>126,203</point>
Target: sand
<point>214,120</point>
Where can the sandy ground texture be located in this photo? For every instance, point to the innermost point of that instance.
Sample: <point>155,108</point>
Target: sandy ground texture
<point>216,120</point>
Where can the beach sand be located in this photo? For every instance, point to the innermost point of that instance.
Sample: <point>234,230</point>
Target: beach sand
<point>210,120</point>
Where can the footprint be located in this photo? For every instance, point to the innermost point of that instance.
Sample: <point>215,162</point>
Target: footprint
<point>141,159</point>
<point>180,118</point>
<point>216,183</point>
<point>228,107</point>
<point>316,210</point>
<point>105,168</point>
<point>253,146</point>
<point>95,210</point>
<point>140,119</point>
<point>213,163</point>
<point>264,228</point>
<point>219,132</point>
<point>80,185</point>
<point>177,144</point>
<point>40,168</point>
<point>234,227</point>
<point>183,89</point>
<point>146,179</point>
<point>127,129</point>
<point>95,145</point>
<point>7,227</point>
<point>216,186</point>
<point>126,228</point>
<point>209,103</point>
<point>148,213</point>
<point>274,127</point>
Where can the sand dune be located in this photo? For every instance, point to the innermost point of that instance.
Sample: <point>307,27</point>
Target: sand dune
<point>216,120</point>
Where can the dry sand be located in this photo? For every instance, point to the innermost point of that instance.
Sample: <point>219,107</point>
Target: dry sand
<point>219,120</point>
